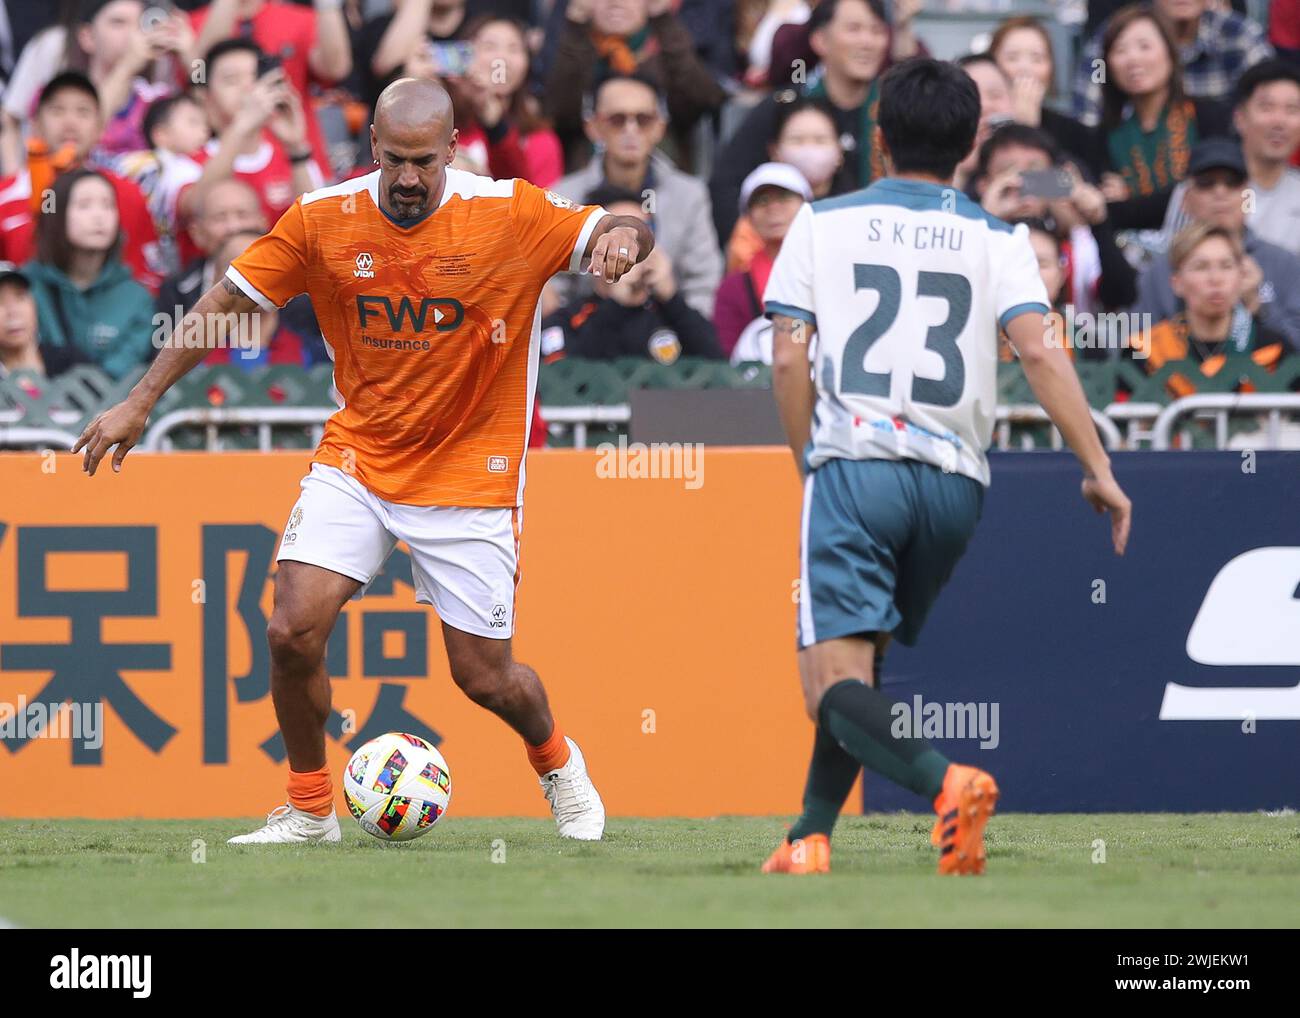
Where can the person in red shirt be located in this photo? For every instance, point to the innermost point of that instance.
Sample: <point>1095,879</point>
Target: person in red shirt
<point>311,45</point>
<point>500,118</point>
<point>65,128</point>
<point>260,132</point>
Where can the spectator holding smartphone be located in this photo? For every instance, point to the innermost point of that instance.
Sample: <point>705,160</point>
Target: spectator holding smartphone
<point>387,44</point>
<point>495,111</point>
<point>1020,175</point>
<point>117,44</point>
<point>309,41</point>
<point>260,131</point>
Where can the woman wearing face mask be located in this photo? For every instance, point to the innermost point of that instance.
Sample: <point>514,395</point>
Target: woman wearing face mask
<point>85,296</point>
<point>805,137</point>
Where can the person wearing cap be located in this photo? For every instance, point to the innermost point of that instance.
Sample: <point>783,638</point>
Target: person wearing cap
<point>642,315</point>
<point>65,130</point>
<point>1267,120</point>
<point>1217,182</point>
<point>20,345</point>
<point>121,48</point>
<point>770,197</point>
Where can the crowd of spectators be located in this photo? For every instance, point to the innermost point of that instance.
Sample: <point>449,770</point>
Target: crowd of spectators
<point>143,146</point>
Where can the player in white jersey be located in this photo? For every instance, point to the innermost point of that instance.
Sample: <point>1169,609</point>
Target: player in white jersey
<point>887,305</point>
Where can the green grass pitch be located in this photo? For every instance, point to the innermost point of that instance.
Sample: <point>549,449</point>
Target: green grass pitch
<point>1163,870</point>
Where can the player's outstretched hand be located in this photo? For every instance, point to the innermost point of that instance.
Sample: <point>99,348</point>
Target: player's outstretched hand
<point>615,252</point>
<point>1106,496</point>
<point>120,426</point>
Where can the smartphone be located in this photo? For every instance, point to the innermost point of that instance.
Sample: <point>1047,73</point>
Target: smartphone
<point>1046,184</point>
<point>267,63</point>
<point>451,59</point>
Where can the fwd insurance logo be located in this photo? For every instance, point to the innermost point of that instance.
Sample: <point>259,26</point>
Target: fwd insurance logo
<point>1250,618</point>
<point>442,313</point>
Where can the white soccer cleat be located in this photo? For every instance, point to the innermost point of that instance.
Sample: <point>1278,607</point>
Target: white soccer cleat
<point>288,826</point>
<point>575,803</point>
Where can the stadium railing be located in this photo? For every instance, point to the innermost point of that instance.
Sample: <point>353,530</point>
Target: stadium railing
<point>586,402</point>
<point>1267,407</point>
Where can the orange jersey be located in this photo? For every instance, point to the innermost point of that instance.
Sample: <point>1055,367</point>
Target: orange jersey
<point>433,327</point>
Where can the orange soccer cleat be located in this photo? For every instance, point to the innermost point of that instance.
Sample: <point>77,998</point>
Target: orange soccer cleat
<point>801,857</point>
<point>967,800</point>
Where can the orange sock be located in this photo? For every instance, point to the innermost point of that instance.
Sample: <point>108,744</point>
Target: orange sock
<point>550,755</point>
<point>312,791</point>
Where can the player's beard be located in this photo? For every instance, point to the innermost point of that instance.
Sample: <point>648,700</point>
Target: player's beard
<point>408,205</point>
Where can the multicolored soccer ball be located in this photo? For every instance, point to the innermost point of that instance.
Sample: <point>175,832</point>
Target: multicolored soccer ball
<point>397,786</point>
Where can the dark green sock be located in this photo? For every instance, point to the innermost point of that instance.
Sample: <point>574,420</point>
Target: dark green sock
<point>830,778</point>
<point>860,719</point>
<point>831,774</point>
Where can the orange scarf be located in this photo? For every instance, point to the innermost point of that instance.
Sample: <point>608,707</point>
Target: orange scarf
<point>43,166</point>
<point>623,53</point>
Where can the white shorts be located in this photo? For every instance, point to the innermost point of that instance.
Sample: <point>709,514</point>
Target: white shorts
<point>464,562</point>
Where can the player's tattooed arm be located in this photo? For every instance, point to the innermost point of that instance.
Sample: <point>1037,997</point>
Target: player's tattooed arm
<point>792,381</point>
<point>616,244</point>
<point>206,326</point>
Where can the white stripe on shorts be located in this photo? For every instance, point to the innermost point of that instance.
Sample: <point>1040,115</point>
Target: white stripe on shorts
<point>807,635</point>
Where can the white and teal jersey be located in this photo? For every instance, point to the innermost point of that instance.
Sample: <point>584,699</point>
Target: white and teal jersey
<point>907,284</point>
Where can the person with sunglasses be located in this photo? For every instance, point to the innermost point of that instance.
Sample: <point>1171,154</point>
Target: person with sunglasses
<point>625,120</point>
<point>1270,279</point>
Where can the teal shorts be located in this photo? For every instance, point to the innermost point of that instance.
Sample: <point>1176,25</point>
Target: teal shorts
<point>879,539</point>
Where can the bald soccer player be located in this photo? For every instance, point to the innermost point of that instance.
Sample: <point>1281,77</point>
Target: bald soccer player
<point>425,280</point>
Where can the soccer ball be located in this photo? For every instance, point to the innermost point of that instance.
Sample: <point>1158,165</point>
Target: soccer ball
<point>397,786</point>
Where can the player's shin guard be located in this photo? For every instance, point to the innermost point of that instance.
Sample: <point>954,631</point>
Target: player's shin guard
<point>860,719</point>
<point>830,777</point>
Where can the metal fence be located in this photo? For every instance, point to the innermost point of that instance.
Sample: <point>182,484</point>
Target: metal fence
<point>585,403</point>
